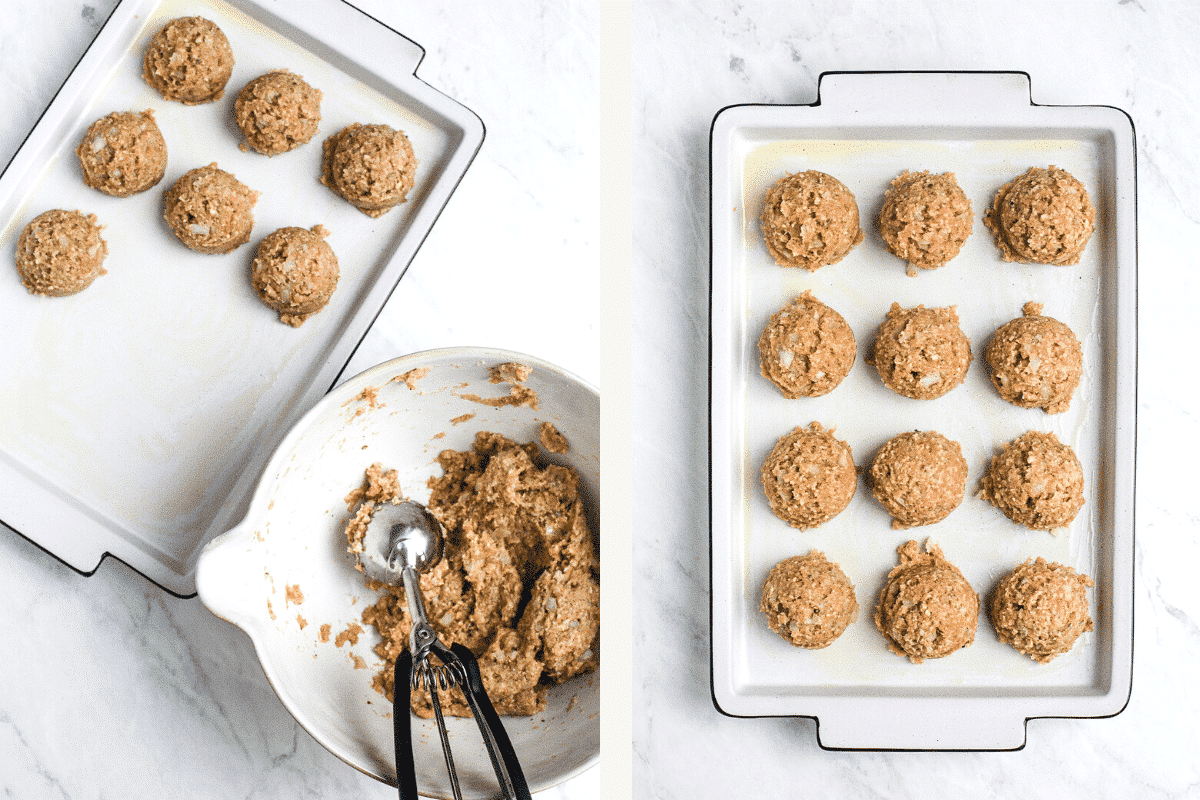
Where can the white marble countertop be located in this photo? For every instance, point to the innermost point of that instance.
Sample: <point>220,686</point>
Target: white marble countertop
<point>110,687</point>
<point>692,59</point>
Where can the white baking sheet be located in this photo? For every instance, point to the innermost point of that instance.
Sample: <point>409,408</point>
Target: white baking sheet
<point>865,131</point>
<point>137,414</point>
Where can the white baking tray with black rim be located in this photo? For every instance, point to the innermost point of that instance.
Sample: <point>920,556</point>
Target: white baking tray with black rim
<point>137,415</point>
<point>865,129</point>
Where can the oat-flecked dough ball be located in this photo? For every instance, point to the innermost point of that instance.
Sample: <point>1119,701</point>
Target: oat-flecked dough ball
<point>209,210</point>
<point>123,154</point>
<point>807,348</point>
<point>60,253</point>
<point>809,477</point>
<point>372,167</point>
<point>809,220</point>
<point>808,600</point>
<point>925,219</point>
<point>1041,608</point>
<point>295,272</point>
<point>189,60</point>
<point>1044,216</point>
<point>277,112</point>
<point>921,352</point>
<point>1036,481</point>
<point>926,608</point>
<point>1035,361</point>
<point>919,477</point>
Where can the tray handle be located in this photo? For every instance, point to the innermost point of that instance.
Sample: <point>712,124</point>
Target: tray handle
<point>922,724</point>
<point>899,94</point>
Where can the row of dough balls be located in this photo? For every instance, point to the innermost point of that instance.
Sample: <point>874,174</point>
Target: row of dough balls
<point>807,348</point>
<point>926,608</point>
<point>920,477</point>
<point>810,219</point>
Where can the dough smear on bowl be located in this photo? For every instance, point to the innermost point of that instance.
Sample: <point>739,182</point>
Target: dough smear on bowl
<point>921,352</point>
<point>210,210</point>
<point>926,608</point>
<point>809,477</point>
<point>1043,216</point>
<point>808,600</point>
<point>809,220</point>
<point>519,583</point>
<point>277,112</point>
<point>919,477</point>
<point>189,60</point>
<point>60,253</point>
<point>295,272</point>
<point>806,349</point>
<point>1041,608</point>
<point>1036,480</point>
<point>372,167</point>
<point>925,219</point>
<point>1035,361</point>
<point>123,153</point>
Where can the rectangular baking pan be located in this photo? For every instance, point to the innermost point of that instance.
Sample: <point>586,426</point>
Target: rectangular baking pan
<point>864,129</point>
<point>137,414</point>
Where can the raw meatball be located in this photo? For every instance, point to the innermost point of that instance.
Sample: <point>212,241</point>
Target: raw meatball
<point>295,272</point>
<point>60,253</point>
<point>1041,608</point>
<point>1036,480</point>
<point>925,219</point>
<point>926,608</point>
<point>123,153</point>
<point>807,348</point>
<point>209,210</point>
<point>189,60</point>
<point>808,600</point>
<point>1044,216</point>
<point>919,477</point>
<point>809,477</point>
<point>921,352</point>
<point>372,167</point>
<point>1036,361</point>
<point>810,219</point>
<point>277,112</point>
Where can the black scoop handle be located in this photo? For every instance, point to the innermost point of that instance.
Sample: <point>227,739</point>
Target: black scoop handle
<point>406,770</point>
<point>486,715</point>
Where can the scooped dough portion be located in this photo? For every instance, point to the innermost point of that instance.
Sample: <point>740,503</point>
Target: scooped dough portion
<point>925,219</point>
<point>1044,216</point>
<point>277,112</point>
<point>919,477</point>
<point>1041,608</point>
<point>1035,361</point>
<point>189,60</point>
<point>209,210</point>
<point>921,352</point>
<point>926,608</point>
<point>807,348</point>
<point>295,272</point>
<point>123,154</point>
<point>1036,480</point>
<point>810,219</point>
<point>808,600</point>
<point>809,477</point>
<point>60,253</point>
<point>372,167</point>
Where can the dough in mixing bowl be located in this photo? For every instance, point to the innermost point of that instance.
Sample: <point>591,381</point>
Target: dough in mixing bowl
<point>60,253</point>
<point>372,167</point>
<point>123,153</point>
<point>277,112</point>
<point>209,210</point>
<point>295,272</point>
<point>808,600</point>
<point>809,477</point>
<point>1043,216</point>
<point>1036,480</point>
<point>189,60</point>
<point>1035,361</point>
<point>921,352</point>
<point>926,608</point>
<point>807,348</point>
<point>919,477</point>
<point>925,219</point>
<point>1041,609</point>
<point>810,219</point>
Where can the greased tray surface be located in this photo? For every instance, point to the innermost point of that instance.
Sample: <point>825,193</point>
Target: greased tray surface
<point>866,129</point>
<point>138,413</point>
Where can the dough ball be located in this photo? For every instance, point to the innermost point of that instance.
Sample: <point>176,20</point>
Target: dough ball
<point>926,608</point>
<point>921,352</point>
<point>809,477</point>
<point>372,167</point>
<point>919,477</point>
<point>810,219</point>
<point>807,348</point>
<point>209,210</point>
<point>925,219</point>
<point>1040,609</point>
<point>1035,361</point>
<point>60,253</point>
<point>189,60</point>
<point>295,272</point>
<point>1036,480</point>
<point>123,153</point>
<point>808,600</point>
<point>277,112</point>
<point>1043,216</point>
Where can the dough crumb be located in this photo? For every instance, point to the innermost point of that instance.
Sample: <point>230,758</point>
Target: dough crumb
<point>292,594</point>
<point>349,635</point>
<point>461,418</point>
<point>510,372</point>
<point>551,439</point>
<point>411,377</point>
<point>301,621</point>
<point>323,632</point>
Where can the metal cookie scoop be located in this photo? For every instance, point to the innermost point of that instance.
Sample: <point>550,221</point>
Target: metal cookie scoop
<point>401,541</point>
